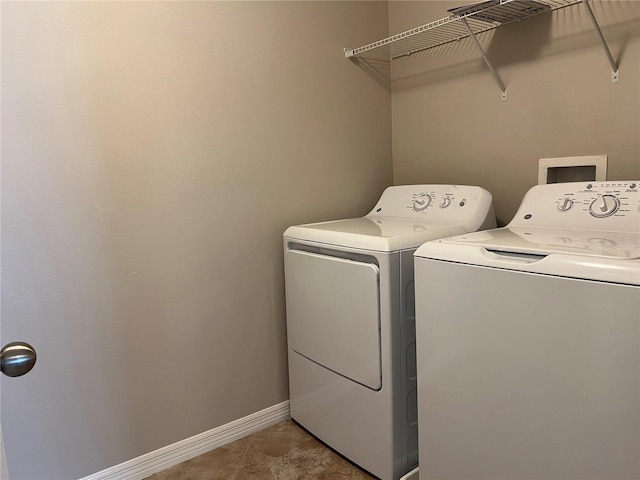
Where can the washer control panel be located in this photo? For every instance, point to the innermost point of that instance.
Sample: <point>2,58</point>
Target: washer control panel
<point>421,201</point>
<point>609,206</point>
<point>468,206</point>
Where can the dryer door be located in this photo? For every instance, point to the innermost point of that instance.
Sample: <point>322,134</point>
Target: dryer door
<point>333,314</point>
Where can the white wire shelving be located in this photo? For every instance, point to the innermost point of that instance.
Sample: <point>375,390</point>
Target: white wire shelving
<point>468,22</point>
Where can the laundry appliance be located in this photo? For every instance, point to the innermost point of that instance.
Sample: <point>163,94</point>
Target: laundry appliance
<point>528,341</point>
<point>351,320</point>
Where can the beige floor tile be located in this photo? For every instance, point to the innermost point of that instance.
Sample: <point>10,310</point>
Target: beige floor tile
<point>281,452</point>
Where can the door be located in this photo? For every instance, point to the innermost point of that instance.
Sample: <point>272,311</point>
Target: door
<point>69,416</point>
<point>4,473</point>
<point>333,314</point>
<point>59,420</point>
<point>16,359</point>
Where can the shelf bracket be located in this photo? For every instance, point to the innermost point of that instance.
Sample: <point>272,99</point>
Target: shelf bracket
<point>615,74</point>
<point>487,62</point>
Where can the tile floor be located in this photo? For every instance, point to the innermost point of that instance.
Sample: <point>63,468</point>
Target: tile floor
<point>281,452</point>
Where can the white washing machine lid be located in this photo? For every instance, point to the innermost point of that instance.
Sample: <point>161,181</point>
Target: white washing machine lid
<point>380,234</point>
<point>545,241</point>
<point>593,255</point>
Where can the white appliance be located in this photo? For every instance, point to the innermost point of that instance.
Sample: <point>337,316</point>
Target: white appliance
<point>528,341</point>
<point>351,321</point>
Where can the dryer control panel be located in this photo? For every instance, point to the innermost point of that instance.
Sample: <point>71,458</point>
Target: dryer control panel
<point>608,206</point>
<point>468,206</point>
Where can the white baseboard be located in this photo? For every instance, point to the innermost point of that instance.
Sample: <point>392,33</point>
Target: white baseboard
<point>171,455</point>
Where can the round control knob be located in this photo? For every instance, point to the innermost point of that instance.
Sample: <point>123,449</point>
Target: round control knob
<point>422,202</point>
<point>565,205</point>
<point>445,202</point>
<point>604,206</point>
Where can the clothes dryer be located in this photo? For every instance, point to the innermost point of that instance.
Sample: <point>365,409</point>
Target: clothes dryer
<point>528,341</point>
<point>351,320</point>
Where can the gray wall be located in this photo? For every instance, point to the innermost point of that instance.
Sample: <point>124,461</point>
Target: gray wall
<point>450,125</point>
<point>152,155</point>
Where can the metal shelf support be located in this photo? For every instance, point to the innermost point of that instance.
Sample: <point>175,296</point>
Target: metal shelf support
<point>615,74</point>
<point>471,21</point>
<point>487,62</point>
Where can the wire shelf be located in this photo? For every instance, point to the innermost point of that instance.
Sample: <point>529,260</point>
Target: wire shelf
<point>480,17</point>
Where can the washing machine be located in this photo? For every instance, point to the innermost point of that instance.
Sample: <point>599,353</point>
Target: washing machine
<point>528,341</point>
<point>351,320</point>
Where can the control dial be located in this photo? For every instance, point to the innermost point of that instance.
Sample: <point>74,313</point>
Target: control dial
<point>604,206</point>
<point>445,202</point>
<point>565,205</point>
<point>421,202</point>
